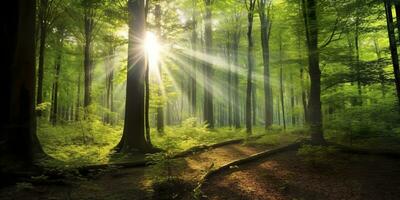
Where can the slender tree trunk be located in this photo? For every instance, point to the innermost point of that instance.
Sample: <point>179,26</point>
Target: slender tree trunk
<point>109,69</point>
<point>42,42</point>
<point>254,103</point>
<point>250,63</point>
<point>357,46</point>
<point>281,84</point>
<point>194,61</point>
<point>292,100</point>
<point>393,47</point>
<point>54,113</point>
<point>88,25</point>
<point>266,25</point>
<point>160,109</point>
<point>208,84</point>
<point>229,58</point>
<point>78,98</point>
<point>236,107</point>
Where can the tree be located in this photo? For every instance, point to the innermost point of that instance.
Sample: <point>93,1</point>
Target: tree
<point>47,14</point>
<point>314,105</point>
<point>134,132</point>
<point>266,24</point>
<point>250,4</point>
<point>59,44</point>
<point>89,24</point>
<point>18,122</point>
<point>208,71</point>
<point>393,47</point>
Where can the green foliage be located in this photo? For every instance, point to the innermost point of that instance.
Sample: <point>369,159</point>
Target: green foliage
<point>192,133</point>
<point>317,155</point>
<point>79,143</point>
<point>366,121</point>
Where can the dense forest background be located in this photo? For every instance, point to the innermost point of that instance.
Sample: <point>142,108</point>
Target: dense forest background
<point>175,74</point>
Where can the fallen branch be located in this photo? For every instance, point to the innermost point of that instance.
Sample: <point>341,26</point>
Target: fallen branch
<point>254,157</point>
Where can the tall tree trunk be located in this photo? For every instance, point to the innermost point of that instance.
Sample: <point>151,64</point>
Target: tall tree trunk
<point>160,109</point>
<point>393,47</point>
<point>109,82</point>
<point>78,98</point>
<point>292,101</point>
<point>229,58</point>
<point>194,61</point>
<point>357,46</point>
<point>266,25</point>
<point>254,104</point>
<point>42,45</point>
<point>250,64</point>
<point>235,50</point>
<point>281,84</point>
<point>315,113</point>
<point>18,136</point>
<point>53,115</point>
<point>208,71</point>
<point>88,26</point>
<point>133,137</point>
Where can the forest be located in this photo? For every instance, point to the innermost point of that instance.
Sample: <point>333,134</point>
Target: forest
<point>200,99</point>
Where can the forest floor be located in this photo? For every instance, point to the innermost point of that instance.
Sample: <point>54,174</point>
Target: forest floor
<point>282,176</point>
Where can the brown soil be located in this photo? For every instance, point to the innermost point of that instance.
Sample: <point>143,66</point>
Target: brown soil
<point>286,176</point>
<point>133,183</point>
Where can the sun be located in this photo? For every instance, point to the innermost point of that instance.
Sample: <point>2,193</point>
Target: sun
<point>152,48</point>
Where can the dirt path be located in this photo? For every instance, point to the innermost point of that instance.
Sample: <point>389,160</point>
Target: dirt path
<point>286,176</point>
<point>134,183</point>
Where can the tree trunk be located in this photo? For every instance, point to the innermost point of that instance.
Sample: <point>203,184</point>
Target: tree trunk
<point>53,115</point>
<point>265,35</point>
<point>250,63</point>
<point>42,42</point>
<point>78,98</point>
<point>194,61</point>
<point>20,144</point>
<point>236,107</point>
<point>281,84</point>
<point>133,137</point>
<point>208,71</point>
<point>393,47</point>
<point>160,109</point>
<point>314,106</point>
<point>292,100</point>
<point>88,25</point>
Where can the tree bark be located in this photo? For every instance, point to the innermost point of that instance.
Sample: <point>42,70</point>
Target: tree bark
<point>235,51</point>
<point>20,144</point>
<point>281,84</point>
<point>42,45</point>
<point>133,137</point>
<point>393,47</point>
<point>265,35</point>
<point>208,70</point>
<point>250,63</point>
<point>88,36</point>
<point>194,61</point>
<point>60,41</point>
<point>160,109</point>
<point>314,106</point>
